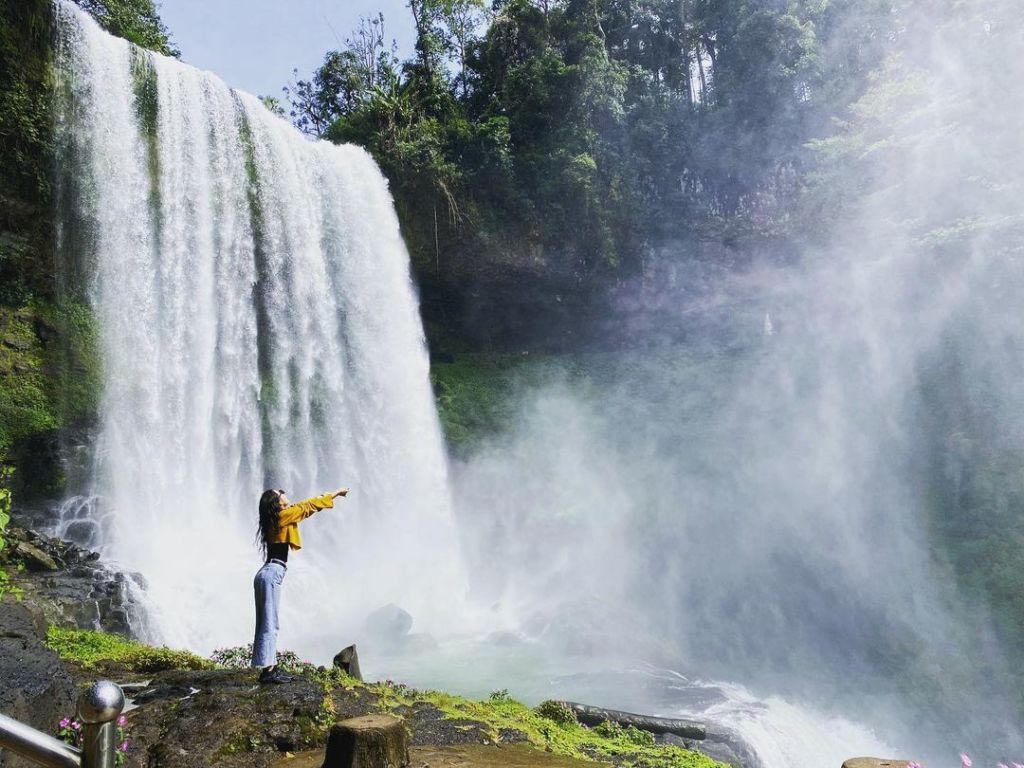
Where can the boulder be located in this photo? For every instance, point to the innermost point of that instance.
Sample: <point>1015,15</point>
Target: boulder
<point>687,729</point>
<point>34,558</point>
<point>371,741</point>
<point>389,623</point>
<point>347,660</point>
<point>875,762</point>
<point>21,345</point>
<point>36,689</point>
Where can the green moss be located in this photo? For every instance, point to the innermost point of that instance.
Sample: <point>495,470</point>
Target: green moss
<point>26,149</point>
<point>25,404</point>
<point>89,648</point>
<point>73,359</point>
<point>564,736</point>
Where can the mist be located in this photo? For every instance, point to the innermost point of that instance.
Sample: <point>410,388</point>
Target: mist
<point>745,485</point>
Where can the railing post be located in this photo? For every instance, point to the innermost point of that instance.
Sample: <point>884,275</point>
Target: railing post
<point>99,707</point>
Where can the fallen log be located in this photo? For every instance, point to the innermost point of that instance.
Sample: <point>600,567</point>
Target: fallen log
<point>687,729</point>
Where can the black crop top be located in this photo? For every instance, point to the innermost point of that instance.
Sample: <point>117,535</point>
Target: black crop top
<point>278,552</point>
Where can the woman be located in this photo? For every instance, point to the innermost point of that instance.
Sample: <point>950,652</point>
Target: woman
<point>278,533</point>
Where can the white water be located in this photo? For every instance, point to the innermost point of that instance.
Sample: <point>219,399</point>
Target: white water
<point>207,401</point>
<point>191,431</point>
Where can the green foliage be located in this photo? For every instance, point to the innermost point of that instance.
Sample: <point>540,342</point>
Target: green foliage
<point>5,473</point>
<point>609,729</point>
<point>561,736</point>
<point>89,648</point>
<point>477,395</point>
<point>135,20</point>
<point>26,149</point>
<point>239,657</point>
<point>570,138</point>
<point>25,404</point>
<point>556,711</point>
<point>5,519</point>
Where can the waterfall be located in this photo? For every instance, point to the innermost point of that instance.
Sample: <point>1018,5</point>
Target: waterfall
<point>258,327</point>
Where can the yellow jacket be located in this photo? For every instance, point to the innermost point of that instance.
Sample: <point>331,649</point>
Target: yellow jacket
<point>288,520</point>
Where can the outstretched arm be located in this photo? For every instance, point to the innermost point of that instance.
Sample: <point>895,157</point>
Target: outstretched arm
<point>303,509</point>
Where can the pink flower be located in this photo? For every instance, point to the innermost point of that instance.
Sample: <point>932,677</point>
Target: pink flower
<point>912,764</point>
<point>123,746</point>
<point>76,725</point>
<point>122,721</point>
<point>65,722</point>
<point>965,760</point>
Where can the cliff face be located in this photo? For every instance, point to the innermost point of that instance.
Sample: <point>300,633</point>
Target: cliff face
<point>49,371</point>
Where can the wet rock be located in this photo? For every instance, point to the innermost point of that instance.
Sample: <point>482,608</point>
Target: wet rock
<point>34,558</point>
<point>429,725</point>
<point>20,345</point>
<point>389,623</point>
<point>36,689</point>
<point>874,762</point>
<point>726,746</point>
<point>71,586</point>
<point>512,736</point>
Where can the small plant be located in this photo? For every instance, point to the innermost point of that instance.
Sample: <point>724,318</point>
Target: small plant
<point>609,729</point>
<point>5,519</point>
<point>5,504</point>
<point>69,731</point>
<point>557,712</point>
<point>498,697</point>
<point>639,737</point>
<point>240,657</point>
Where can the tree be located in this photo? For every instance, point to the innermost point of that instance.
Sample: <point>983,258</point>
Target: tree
<point>463,18</point>
<point>345,80</point>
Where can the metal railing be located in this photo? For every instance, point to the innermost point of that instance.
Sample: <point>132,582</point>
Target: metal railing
<point>98,708</point>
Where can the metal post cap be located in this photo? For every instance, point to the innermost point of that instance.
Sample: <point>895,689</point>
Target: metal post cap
<point>101,703</point>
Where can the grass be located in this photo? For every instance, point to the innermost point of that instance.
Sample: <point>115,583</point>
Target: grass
<point>88,648</point>
<point>549,726</point>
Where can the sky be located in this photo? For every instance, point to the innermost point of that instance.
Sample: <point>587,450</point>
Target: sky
<point>255,44</point>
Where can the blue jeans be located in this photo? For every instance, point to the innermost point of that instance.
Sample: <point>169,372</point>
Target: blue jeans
<point>267,584</point>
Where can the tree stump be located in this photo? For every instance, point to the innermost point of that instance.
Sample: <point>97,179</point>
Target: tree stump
<point>371,741</point>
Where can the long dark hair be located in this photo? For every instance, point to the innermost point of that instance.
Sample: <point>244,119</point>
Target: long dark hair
<point>270,513</point>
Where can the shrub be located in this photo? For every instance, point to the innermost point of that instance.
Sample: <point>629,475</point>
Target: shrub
<point>557,712</point>
<point>609,729</point>
<point>637,736</point>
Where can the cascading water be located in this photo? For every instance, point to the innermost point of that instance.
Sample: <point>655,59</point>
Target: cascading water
<point>258,327</point>
<point>757,509</point>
